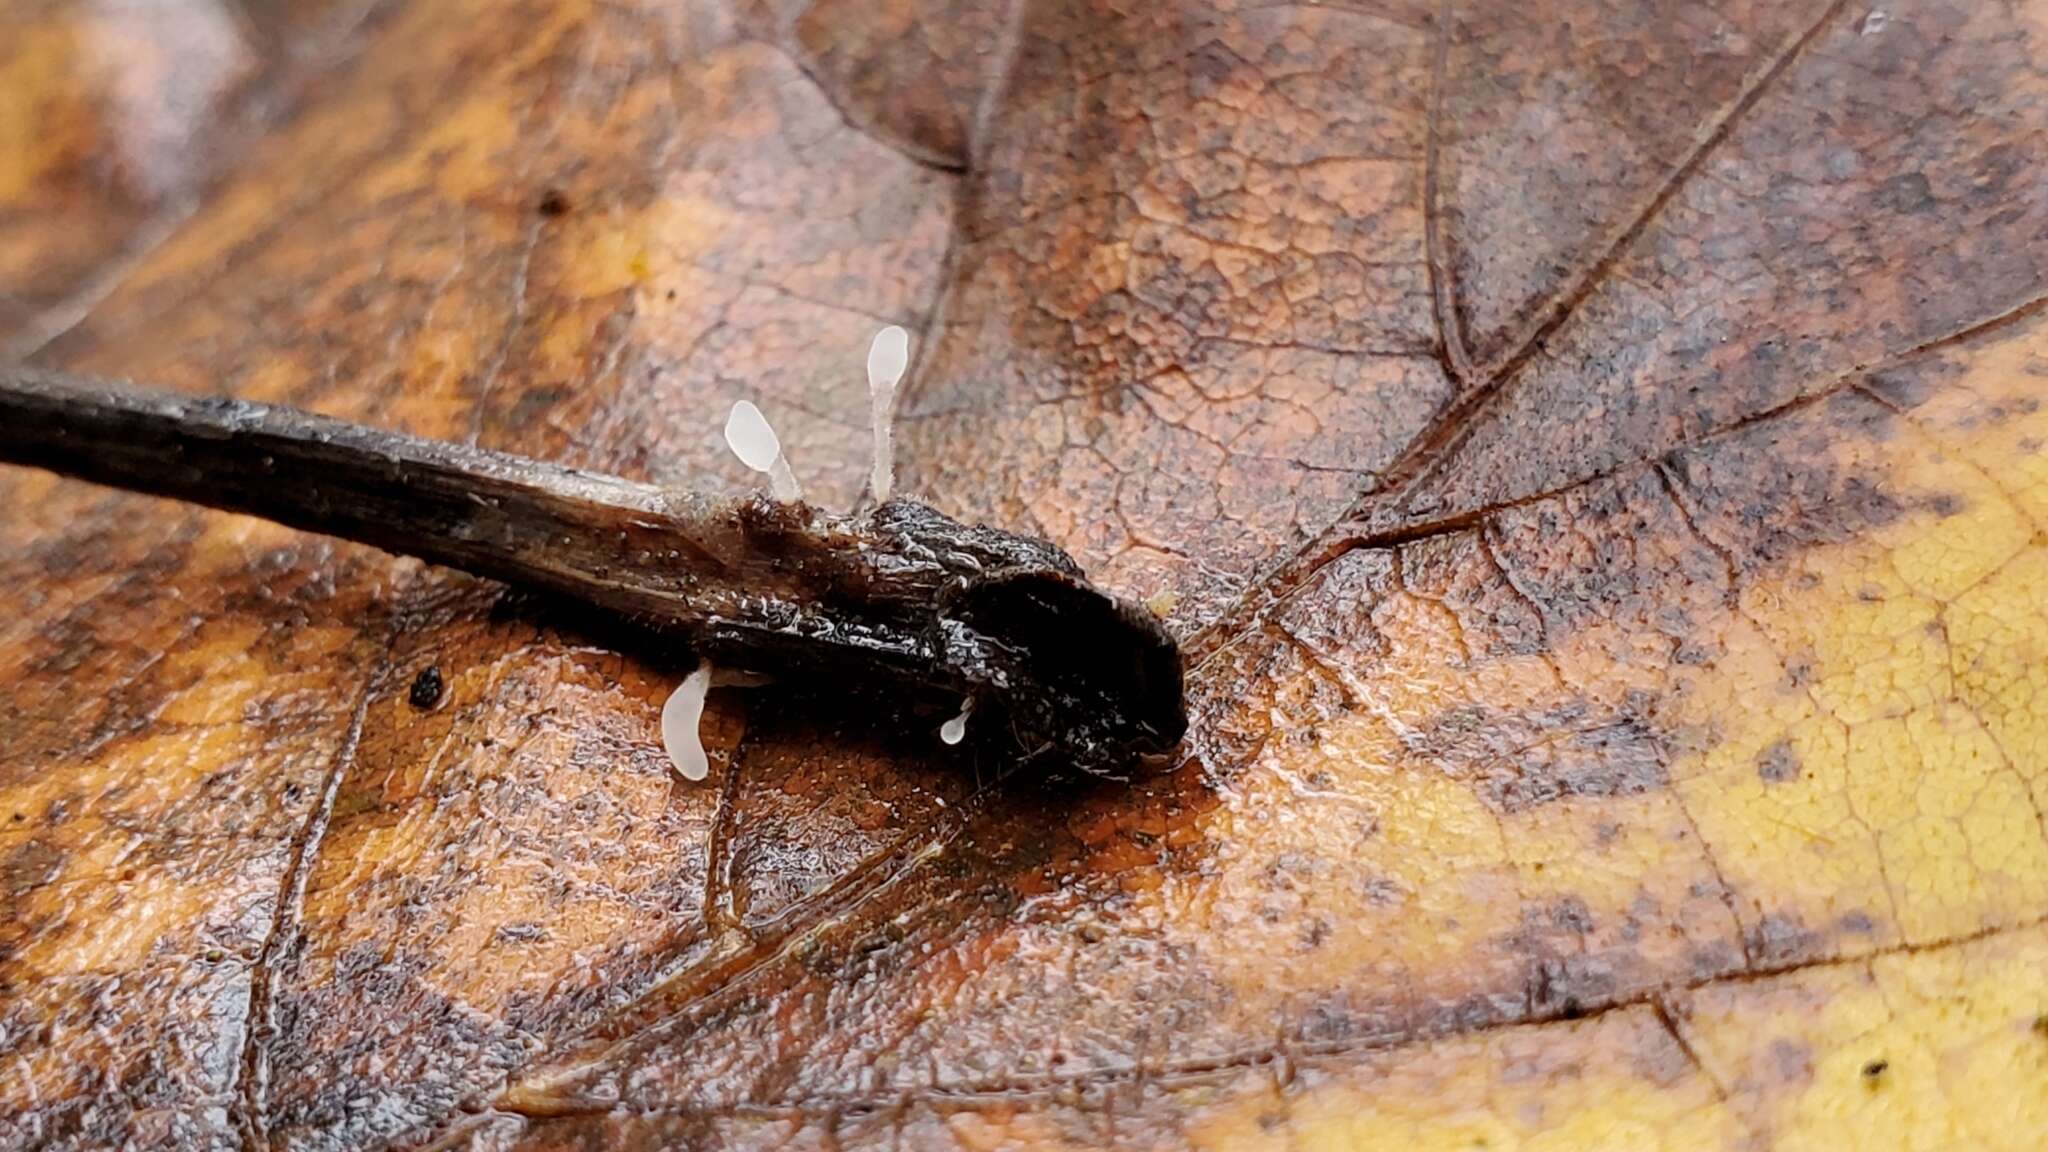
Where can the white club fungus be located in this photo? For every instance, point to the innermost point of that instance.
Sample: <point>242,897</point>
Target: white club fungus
<point>888,356</point>
<point>955,730</point>
<point>680,718</point>
<point>751,439</point>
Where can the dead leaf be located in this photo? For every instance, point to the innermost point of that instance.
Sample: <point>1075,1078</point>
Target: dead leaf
<point>1594,453</point>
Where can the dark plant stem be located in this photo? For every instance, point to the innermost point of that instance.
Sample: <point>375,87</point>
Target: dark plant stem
<point>902,595</point>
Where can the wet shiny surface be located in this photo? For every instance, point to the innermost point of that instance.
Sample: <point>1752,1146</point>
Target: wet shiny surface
<point>1596,450</point>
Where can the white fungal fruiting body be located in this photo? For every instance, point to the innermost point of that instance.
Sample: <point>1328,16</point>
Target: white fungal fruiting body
<point>888,356</point>
<point>955,730</point>
<point>751,439</point>
<point>681,718</point>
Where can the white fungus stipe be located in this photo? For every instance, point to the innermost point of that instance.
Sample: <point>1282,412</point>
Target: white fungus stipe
<point>751,439</point>
<point>888,356</point>
<point>680,720</point>
<point>782,482</point>
<point>955,730</point>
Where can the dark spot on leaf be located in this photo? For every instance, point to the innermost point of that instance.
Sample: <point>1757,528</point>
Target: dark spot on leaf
<point>1380,891</point>
<point>1571,915</point>
<point>535,403</point>
<point>553,203</point>
<point>1777,763</point>
<point>1908,194</point>
<point>1874,1071</point>
<point>31,866</point>
<point>1312,937</point>
<point>1791,1061</point>
<point>1902,389</point>
<point>1946,504</point>
<point>1518,761</point>
<point>1779,939</point>
<point>427,688</point>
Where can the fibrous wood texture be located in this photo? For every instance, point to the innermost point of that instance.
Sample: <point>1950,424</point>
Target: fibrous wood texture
<point>1593,452</point>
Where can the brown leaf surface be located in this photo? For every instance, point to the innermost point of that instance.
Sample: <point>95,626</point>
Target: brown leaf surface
<point>1595,454</point>
<point>117,117</point>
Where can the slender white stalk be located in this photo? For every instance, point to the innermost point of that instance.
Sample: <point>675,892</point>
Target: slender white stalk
<point>882,479</point>
<point>888,356</point>
<point>782,482</point>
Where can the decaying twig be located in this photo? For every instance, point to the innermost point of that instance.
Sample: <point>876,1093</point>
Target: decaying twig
<point>902,597</point>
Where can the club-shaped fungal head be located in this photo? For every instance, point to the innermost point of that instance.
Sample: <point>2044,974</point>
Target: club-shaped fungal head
<point>751,439</point>
<point>954,730</point>
<point>888,356</point>
<point>680,718</point>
